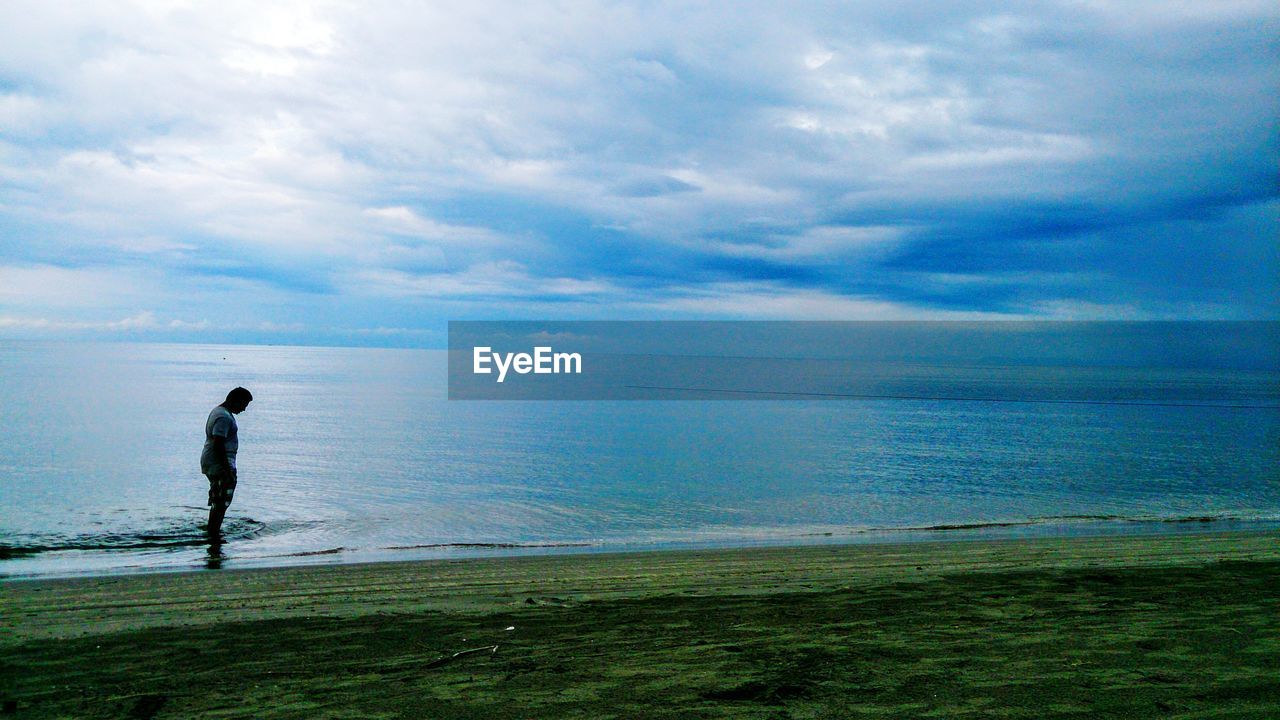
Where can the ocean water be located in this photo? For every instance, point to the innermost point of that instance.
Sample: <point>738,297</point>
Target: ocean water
<point>352,454</point>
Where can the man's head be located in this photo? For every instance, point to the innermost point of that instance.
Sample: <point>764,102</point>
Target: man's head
<point>237,400</point>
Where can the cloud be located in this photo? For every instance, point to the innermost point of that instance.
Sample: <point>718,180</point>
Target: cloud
<point>142,322</point>
<point>817,243</point>
<point>52,286</point>
<point>149,323</point>
<point>654,186</point>
<point>764,300</point>
<point>388,163</point>
<point>488,280</point>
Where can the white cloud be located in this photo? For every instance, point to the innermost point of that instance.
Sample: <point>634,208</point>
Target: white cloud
<point>153,245</point>
<point>402,220</point>
<point>829,242</point>
<point>746,300</point>
<point>817,58</point>
<point>1022,148</point>
<point>51,286</point>
<point>141,322</point>
<point>487,280</point>
<point>1071,309</point>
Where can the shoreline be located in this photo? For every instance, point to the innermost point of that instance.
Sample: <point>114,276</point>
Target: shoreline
<point>47,559</point>
<point>1115,626</point>
<point>452,582</point>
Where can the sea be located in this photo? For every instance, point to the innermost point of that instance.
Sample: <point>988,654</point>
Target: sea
<point>357,455</point>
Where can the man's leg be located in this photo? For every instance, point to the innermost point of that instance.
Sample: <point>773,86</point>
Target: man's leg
<point>217,511</point>
<point>222,486</point>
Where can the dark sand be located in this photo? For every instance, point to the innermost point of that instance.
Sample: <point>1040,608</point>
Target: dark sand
<point>1184,626</point>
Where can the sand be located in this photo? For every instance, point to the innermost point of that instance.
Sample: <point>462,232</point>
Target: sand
<point>1183,626</point>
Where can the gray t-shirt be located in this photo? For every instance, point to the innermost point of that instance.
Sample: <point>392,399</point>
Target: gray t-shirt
<point>221,423</point>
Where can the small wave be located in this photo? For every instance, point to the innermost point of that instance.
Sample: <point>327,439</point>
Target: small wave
<point>9,552</point>
<point>975,526</point>
<point>455,545</point>
<point>174,536</point>
<point>1043,520</point>
<point>1050,518</point>
<point>488,545</point>
<point>1154,518</point>
<point>309,553</point>
<point>1196,518</point>
<point>1062,519</point>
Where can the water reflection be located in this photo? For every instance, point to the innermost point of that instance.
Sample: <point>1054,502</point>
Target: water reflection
<point>213,560</point>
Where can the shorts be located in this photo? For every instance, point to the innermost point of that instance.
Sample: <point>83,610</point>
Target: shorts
<point>222,486</point>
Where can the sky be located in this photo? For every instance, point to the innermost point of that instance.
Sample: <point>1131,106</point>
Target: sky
<point>361,173</point>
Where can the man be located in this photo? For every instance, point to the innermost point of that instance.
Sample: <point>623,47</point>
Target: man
<point>218,460</point>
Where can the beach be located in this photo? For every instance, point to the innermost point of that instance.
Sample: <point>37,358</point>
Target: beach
<point>1129,626</point>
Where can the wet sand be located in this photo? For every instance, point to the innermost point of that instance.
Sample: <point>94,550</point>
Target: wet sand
<point>1142,626</point>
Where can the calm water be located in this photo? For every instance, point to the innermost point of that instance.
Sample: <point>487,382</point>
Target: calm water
<point>357,452</point>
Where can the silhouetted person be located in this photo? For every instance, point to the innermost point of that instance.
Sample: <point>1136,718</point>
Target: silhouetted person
<point>218,460</point>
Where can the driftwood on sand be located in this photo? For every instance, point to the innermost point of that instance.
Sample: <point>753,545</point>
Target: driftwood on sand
<point>491,649</point>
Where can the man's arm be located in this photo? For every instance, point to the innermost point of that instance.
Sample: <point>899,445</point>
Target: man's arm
<point>218,445</point>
